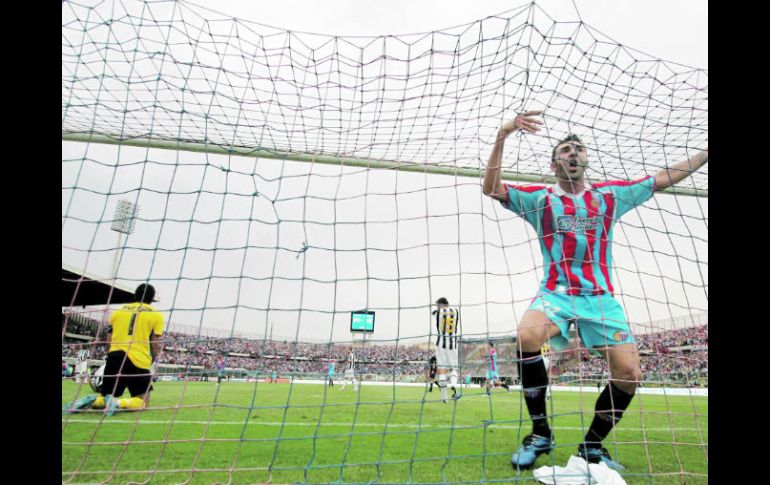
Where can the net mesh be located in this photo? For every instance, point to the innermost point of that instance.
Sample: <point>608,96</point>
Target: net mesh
<point>221,129</point>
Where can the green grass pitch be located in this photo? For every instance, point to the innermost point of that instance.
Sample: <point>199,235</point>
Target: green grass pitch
<point>243,432</point>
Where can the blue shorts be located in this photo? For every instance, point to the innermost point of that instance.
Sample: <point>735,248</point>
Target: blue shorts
<point>599,319</point>
<point>492,375</point>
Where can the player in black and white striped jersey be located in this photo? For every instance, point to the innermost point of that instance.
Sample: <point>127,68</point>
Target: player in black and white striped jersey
<point>350,373</point>
<point>81,366</point>
<point>447,322</point>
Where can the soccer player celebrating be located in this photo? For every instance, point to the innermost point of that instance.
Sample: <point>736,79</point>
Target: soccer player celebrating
<point>493,371</point>
<point>574,221</point>
<point>448,330</point>
<point>133,333</point>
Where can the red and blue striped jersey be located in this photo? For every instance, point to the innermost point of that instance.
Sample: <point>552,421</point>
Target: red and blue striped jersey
<point>575,231</point>
<point>492,360</point>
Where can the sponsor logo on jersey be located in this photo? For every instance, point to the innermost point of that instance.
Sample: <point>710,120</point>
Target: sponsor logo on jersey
<point>577,223</point>
<point>620,336</point>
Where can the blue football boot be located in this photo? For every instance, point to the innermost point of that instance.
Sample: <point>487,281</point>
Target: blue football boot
<point>110,405</point>
<point>532,447</point>
<point>598,455</point>
<point>82,403</point>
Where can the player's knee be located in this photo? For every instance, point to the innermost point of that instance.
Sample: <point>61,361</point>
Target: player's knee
<point>628,373</point>
<point>627,377</point>
<point>529,341</point>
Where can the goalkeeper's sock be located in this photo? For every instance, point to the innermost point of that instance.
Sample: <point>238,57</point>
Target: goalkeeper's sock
<point>99,403</point>
<point>131,403</point>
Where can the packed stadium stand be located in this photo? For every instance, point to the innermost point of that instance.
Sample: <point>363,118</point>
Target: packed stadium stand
<point>669,357</point>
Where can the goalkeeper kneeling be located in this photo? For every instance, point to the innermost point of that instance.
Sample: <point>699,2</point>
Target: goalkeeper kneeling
<point>132,331</point>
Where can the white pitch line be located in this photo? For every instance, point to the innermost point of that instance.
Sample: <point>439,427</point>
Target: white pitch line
<point>381,425</point>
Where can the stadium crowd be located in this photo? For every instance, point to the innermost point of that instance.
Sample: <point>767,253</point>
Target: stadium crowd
<point>679,355</point>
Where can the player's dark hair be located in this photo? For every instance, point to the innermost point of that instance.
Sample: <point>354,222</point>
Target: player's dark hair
<point>491,344</point>
<point>570,137</point>
<point>442,301</point>
<point>145,293</point>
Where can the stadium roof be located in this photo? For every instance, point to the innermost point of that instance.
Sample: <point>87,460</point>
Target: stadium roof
<point>82,289</point>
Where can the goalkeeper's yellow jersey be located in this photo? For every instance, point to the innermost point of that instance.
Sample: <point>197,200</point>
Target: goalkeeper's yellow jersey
<point>131,329</point>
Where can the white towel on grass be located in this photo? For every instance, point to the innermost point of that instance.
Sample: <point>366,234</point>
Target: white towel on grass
<point>579,472</point>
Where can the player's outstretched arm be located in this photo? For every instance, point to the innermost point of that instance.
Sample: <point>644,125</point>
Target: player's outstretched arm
<point>677,172</point>
<point>493,185</point>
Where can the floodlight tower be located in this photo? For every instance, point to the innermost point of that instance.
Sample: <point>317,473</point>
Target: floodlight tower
<point>123,222</point>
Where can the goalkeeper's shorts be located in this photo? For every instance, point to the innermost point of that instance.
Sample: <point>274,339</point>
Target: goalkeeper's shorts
<point>599,319</point>
<point>120,373</point>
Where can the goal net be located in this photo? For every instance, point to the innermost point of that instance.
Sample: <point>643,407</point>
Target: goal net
<point>286,180</point>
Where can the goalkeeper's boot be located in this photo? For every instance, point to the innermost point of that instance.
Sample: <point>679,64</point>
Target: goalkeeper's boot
<point>532,447</point>
<point>82,403</point>
<point>110,405</point>
<point>598,455</point>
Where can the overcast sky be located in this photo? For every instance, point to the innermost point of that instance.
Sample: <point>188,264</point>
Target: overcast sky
<point>225,258</point>
<point>671,30</point>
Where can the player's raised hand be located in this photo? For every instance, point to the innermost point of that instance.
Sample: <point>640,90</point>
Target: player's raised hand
<point>526,121</point>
